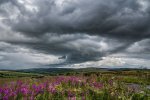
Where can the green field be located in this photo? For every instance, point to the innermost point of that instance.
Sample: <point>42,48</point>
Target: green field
<point>75,84</point>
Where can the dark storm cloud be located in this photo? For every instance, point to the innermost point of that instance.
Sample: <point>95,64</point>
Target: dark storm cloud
<point>79,30</point>
<point>3,1</point>
<point>76,47</point>
<point>119,18</point>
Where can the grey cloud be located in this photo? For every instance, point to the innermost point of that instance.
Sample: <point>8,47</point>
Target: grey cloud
<point>10,57</point>
<point>76,47</point>
<point>140,46</point>
<point>118,19</point>
<point>3,1</point>
<point>76,30</point>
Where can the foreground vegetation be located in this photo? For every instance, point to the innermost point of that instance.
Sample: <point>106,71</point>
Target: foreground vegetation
<point>83,85</point>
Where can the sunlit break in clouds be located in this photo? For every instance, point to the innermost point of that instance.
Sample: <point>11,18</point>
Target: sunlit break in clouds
<point>74,34</point>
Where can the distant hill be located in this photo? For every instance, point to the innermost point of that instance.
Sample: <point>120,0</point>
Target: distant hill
<point>54,71</point>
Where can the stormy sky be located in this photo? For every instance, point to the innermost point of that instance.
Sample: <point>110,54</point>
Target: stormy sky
<point>74,33</point>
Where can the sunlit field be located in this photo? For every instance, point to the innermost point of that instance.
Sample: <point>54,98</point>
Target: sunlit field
<point>81,86</point>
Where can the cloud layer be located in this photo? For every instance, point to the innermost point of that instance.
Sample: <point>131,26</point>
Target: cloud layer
<point>74,32</point>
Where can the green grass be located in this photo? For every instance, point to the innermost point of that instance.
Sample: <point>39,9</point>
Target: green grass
<point>13,74</point>
<point>127,76</point>
<point>136,80</point>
